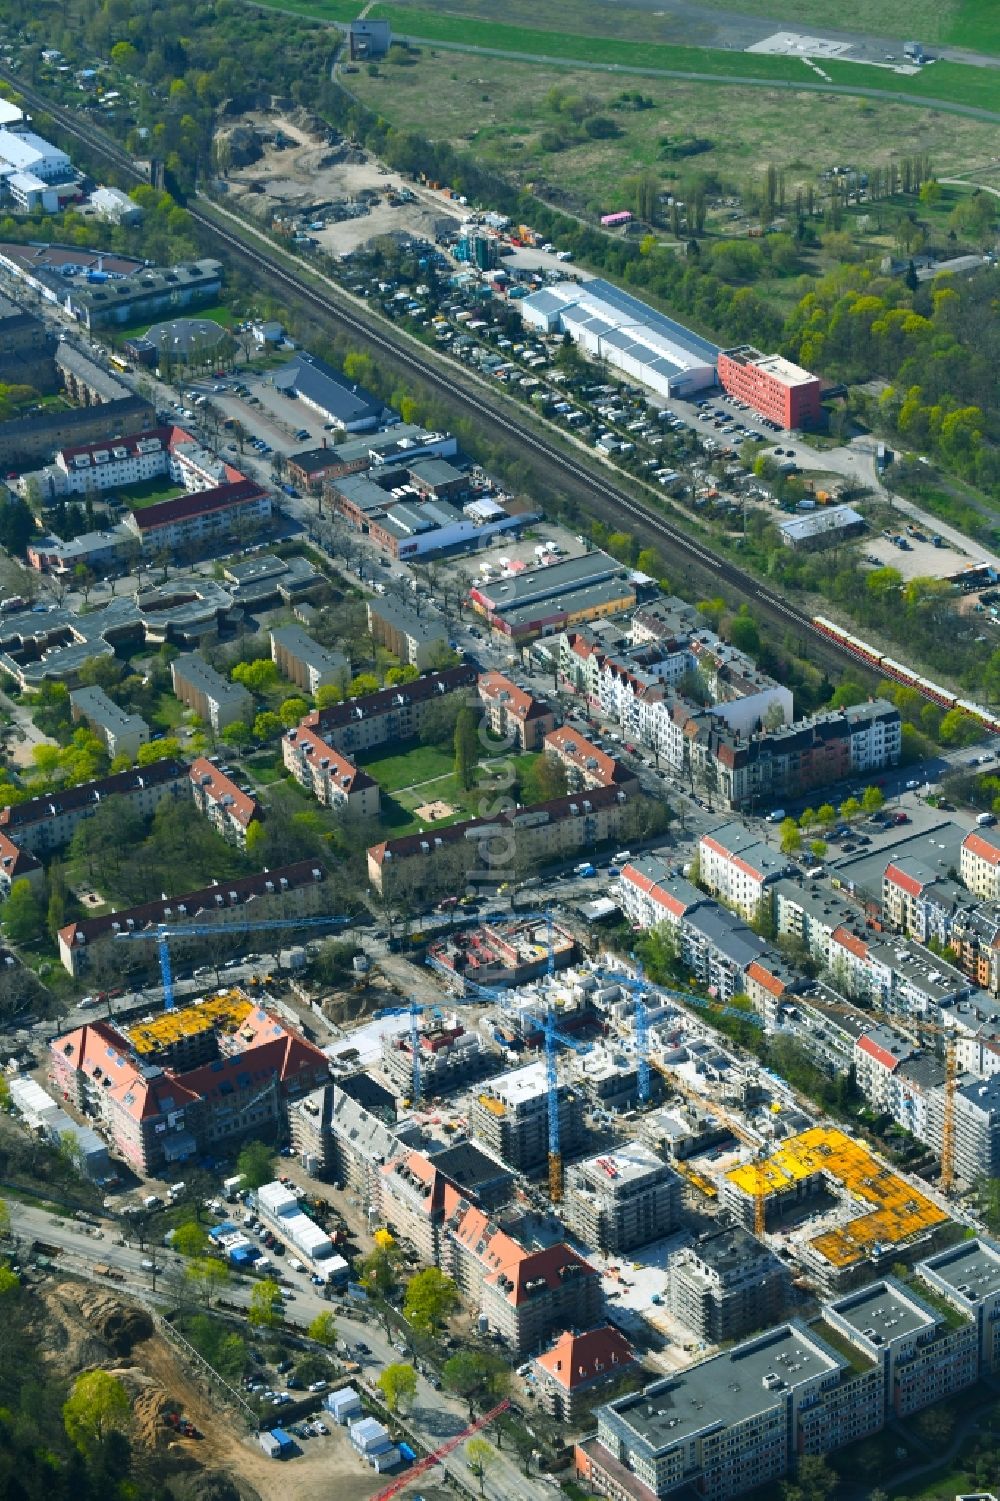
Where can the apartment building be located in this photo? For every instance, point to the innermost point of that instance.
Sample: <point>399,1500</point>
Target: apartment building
<point>227,807</point>
<point>726,1285</point>
<point>920,901</point>
<point>772,984</point>
<point>738,868</point>
<point>43,824</point>
<point>121,732</point>
<point>417,640</point>
<point>980,862</point>
<point>288,891</point>
<point>810,913</point>
<point>513,714</point>
<point>339,1139</point>
<point>649,893</point>
<point>968,1276</point>
<point>391,715</point>
<point>332,779</point>
<point>878,1054</point>
<point>32,439</point>
<point>480,848</point>
<point>719,949</point>
<point>925,1356</point>
<point>975,941</point>
<point>575,1366</point>
<point>193,522</point>
<point>18,864</point>
<point>155,1117</point>
<point>587,766</point>
<point>215,700</point>
<point>976,1127</point>
<point>450,1058</point>
<point>510,1117</point>
<point>307,664</point>
<point>536,1294</point>
<point>622,1199</point>
<point>731,1423</point>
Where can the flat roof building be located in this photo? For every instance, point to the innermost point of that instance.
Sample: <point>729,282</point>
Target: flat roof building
<point>211,697</point>
<point>968,1275</point>
<point>726,1285</point>
<point>825,527</point>
<point>622,1199</point>
<point>418,641</point>
<point>772,385</point>
<point>510,1117</point>
<point>121,732</point>
<point>305,662</point>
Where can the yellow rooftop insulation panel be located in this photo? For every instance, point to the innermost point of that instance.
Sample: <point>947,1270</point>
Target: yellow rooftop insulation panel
<point>223,1012</point>
<point>495,1107</point>
<point>898,1210</point>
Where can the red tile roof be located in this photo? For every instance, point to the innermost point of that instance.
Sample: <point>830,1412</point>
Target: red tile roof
<point>575,1360</point>
<point>494,687</point>
<point>215,785</point>
<point>980,843</point>
<point>198,503</point>
<point>552,1266</point>
<point>851,942</point>
<point>588,758</point>
<point>16,862</point>
<point>655,892</point>
<point>881,1055</point>
<point>348,777</point>
<point>771,983</point>
<point>905,882</point>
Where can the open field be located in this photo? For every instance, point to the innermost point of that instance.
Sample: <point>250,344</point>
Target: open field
<point>502,109</point>
<point>420,763</point>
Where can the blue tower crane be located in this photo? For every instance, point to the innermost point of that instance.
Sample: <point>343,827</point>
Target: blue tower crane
<point>163,934</point>
<point>552,1036</point>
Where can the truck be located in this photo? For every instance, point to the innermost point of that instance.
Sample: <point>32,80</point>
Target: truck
<point>101,1269</point>
<point>585,869</point>
<point>231,1185</point>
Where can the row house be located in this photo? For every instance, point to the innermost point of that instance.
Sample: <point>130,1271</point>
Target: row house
<point>483,848</point>
<point>332,779</point>
<point>586,765</point>
<point>650,893</point>
<point>391,714</point>
<point>513,714</point>
<point>979,864</point>
<point>226,806</point>
<point>46,823</point>
<point>975,941</point>
<point>738,867</point>
<point>920,901</point>
<point>810,913</point>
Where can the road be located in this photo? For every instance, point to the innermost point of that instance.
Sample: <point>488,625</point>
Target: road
<point>435,1416</point>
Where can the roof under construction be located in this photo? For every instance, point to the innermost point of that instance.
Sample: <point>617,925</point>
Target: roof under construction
<point>224,1012</point>
<point>896,1211</point>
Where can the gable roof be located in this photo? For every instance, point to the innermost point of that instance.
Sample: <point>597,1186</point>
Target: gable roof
<point>68,799</point>
<point>198,503</point>
<point>221,789</point>
<point>496,687</point>
<point>532,1272</point>
<point>984,843</point>
<point>867,1044</point>
<point>575,1360</point>
<point>317,751</point>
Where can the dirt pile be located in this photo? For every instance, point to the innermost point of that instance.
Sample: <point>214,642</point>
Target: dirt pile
<point>120,1325</point>
<point>211,1485</point>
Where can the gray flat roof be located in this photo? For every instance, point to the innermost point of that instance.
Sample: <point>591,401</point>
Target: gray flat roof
<point>974,1265</point>
<point>884,1309</point>
<point>625,1165</point>
<point>727,1389</point>
<point>937,848</point>
<point>586,597</point>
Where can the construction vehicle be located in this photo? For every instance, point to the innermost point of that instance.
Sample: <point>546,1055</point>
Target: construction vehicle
<point>181,1425</point>
<point>441,1453</point>
<point>101,1269</point>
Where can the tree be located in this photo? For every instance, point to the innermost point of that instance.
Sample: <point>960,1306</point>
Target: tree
<point>238,736</point>
<point>190,1239</point>
<point>818,849</point>
<point>379,1274</point>
<point>256,676</point>
<point>743,632</point>
<point>398,1385</point>
<point>291,711</point>
<point>825,814</point>
<point>323,1330</point>
<point>267,725</point>
<point>97,1406</point>
<point>850,808</point>
<point>466,747</point>
<point>22,916</point>
<point>481,1454</point>
<point>4,1215</point>
<point>474,1374</point>
<point>430,1298</point>
<point>256,1164</point>
<point>815,1477</point>
<point>208,1276</point>
<point>158,750</point>
<point>265,1305</point>
<point>872,799</point>
<point>17,525</point>
<point>791,837</point>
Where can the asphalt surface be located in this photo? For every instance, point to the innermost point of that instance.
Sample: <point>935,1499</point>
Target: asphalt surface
<point>435,1417</point>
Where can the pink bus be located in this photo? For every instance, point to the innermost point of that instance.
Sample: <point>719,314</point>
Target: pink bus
<point>623,216</point>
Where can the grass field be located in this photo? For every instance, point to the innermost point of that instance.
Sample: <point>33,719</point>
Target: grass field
<point>420,763</point>
<point>443,95</point>
<point>150,493</point>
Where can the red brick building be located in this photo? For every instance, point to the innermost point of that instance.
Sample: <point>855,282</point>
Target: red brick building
<point>773,386</point>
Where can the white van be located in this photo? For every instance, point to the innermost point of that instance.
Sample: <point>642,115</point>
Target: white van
<point>622,856</point>
<point>776,815</point>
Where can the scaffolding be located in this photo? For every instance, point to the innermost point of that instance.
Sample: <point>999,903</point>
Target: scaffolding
<point>224,1012</point>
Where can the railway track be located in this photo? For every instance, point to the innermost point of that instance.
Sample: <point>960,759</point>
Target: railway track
<point>611,502</point>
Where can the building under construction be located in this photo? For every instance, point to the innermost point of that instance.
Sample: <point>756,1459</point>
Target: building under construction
<point>622,1199</point>
<point>726,1285</point>
<point>189,1036</point>
<point>505,955</point>
<point>450,1058</point>
<point>886,1218</point>
<point>510,1117</point>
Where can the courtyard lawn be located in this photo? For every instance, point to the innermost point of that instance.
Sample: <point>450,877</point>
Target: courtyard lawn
<point>150,493</point>
<point>395,769</point>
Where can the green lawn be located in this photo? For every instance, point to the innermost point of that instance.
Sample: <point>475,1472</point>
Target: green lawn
<point>123,331</point>
<point>420,763</point>
<point>169,713</point>
<point>151,492</point>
